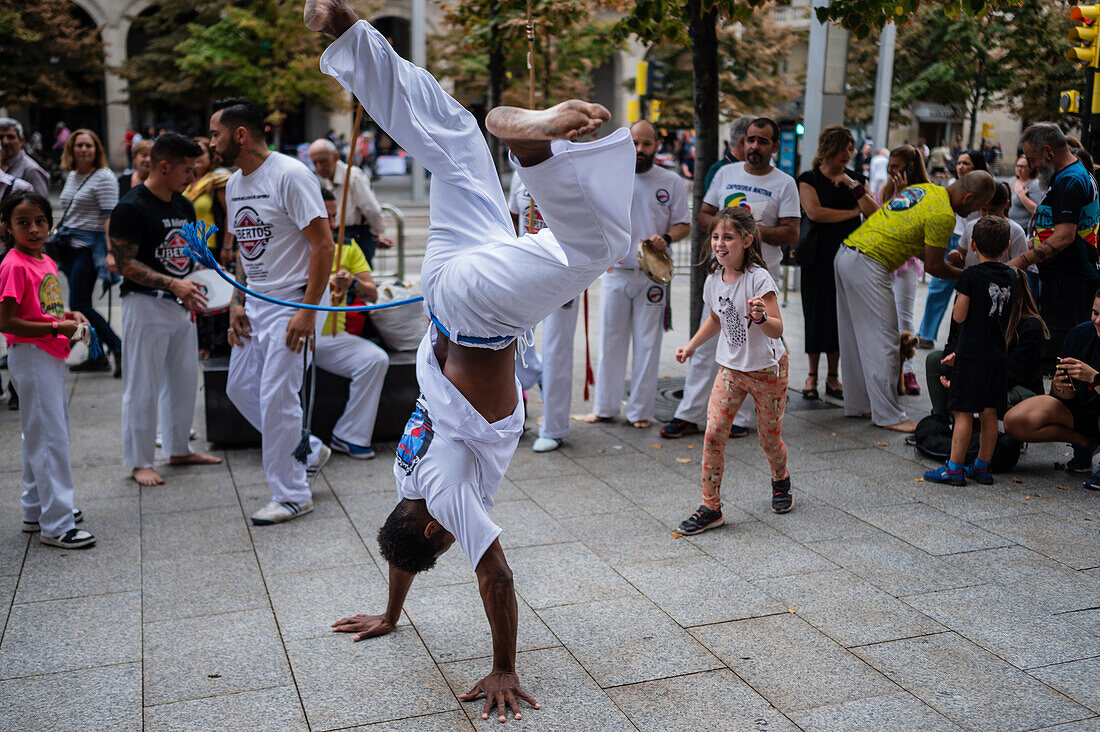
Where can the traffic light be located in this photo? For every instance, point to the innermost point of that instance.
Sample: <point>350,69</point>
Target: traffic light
<point>800,129</point>
<point>655,109</point>
<point>641,80</point>
<point>633,110</point>
<point>1069,102</point>
<point>1084,34</point>
<point>656,81</point>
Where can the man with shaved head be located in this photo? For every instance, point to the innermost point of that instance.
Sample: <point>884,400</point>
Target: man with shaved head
<point>632,306</point>
<point>916,223</point>
<point>363,222</point>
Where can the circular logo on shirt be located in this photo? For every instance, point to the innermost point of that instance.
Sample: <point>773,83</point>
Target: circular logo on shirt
<point>172,254</point>
<point>905,200</point>
<point>655,294</point>
<point>49,296</point>
<point>662,195</point>
<point>251,232</point>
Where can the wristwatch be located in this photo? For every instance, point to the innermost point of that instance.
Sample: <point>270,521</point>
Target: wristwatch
<point>53,327</point>
<point>1095,380</point>
<point>667,238</point>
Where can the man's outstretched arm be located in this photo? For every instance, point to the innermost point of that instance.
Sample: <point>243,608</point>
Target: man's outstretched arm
<point>369,626</point>
<point>501,687</point>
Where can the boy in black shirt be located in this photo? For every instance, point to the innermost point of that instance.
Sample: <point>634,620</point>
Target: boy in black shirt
<point>980,379</point>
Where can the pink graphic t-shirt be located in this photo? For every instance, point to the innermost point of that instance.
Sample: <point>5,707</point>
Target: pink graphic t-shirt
<point>33,284</point>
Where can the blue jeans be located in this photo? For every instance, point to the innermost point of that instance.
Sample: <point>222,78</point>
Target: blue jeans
<point>79,265</point>
<point>939,297</point>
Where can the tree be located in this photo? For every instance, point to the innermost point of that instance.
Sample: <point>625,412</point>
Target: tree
<point>864,17</point>
<point>1035,87</point>
<point>50,58</point>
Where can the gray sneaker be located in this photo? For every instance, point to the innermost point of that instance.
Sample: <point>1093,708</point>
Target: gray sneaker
<point>276,513</point>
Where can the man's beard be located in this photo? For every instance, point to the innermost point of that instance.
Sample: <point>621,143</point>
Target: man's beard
<point>755,159</point>
<point>1044,173</point>
<point>642,163</point>
<point>228,157</point>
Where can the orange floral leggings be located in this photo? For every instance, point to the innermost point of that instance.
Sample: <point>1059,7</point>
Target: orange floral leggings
<point>768,388</point>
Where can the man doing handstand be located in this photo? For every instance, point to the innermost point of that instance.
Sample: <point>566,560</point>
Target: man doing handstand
<point>484,288</point>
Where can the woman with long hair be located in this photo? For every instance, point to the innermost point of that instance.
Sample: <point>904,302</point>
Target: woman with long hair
<point>89,196</point>
<point>834,202</point>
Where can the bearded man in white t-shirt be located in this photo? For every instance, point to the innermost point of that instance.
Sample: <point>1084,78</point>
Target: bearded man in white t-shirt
<point>632,306</point>
<point>284,250</point>
<point>771,195</point>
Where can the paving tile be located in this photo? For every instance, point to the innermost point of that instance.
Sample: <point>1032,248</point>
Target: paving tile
<point>755,551</point>
<point>845,490</point>
<point>446,722</point>
<point>343,684</point>
<point>1079,680</point>
<point>212,655</point>
<point>569,700</point>
<point>712,700</point>
<point>1033,577</point>
<point>308,543</point>
<point>194,533</point>
<point>112,565</point>
<point>812,519</point>
<point>894,566</point>
<point>7,591</point>
<point>1087,619</point>
<point>930,529</point>
<point>969,686</point>
<point>102,630</point>
<point>94,482</point>
<point>325,505</point>
<point>976,502</point>
<point>1092,724</point>
<point>561,574</point>
<point>698,590</point>
<point>576,495</point>
<point>791,664</point>
<point>627,640</point>
<point>211,487</point>
<point>525,524</point>
<point>827,599</point>
<point>13,546</point>
<point>250,711</point>
<point>1067,542</point>
<point>307,603</point>
<point>74,700</point>
<point>901,712</point>
<point>193,586</point>
<point>527,465</point>
<point>625,472</point>
<point>451,621</point>
<point>630,536</point>
<point>348,476</point>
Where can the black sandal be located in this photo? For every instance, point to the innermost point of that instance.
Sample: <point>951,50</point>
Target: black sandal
<point>830,391</point>
<point>811,394</point>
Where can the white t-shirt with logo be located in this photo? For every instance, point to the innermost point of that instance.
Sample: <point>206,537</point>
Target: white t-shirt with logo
<point>519,200</point>
<point>770,197</point>
<point>741,346</point>
<point>659,203</point>
<point>267,211</point>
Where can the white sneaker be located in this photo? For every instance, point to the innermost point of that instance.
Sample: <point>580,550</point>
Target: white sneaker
<point>312,471</point>
<point>276,513</point>
<point>71,539</point>
<point>546,444</point>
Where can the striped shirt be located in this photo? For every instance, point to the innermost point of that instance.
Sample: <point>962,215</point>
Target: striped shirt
<point>93,203</point>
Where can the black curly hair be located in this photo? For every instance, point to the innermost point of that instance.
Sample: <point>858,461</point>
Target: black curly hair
<point>403,544</point>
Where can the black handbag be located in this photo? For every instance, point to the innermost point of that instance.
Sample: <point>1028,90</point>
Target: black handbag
<point>57,243</point>
<point>805,253</point>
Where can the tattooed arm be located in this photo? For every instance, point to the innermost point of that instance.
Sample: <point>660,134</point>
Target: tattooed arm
<point>186,291</point>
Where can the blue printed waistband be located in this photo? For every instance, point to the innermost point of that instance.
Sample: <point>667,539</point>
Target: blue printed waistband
<point>471,340</point>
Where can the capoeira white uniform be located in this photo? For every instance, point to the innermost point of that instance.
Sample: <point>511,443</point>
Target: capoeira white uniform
<point>632,306</point>
<point>483,286</point>
<point>267,212</point>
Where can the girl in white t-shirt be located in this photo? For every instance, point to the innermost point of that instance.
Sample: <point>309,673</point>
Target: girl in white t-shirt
<point>752,360</point>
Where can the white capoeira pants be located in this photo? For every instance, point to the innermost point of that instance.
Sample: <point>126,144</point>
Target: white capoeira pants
<point>44,417</point>
<point>632,309</point>
<point>702,368</point>
<point>483,285</point>
<point>557,369</point>
<point>868,322</point>
<point>904,284</point>
<point>365,363</point>
<point>160,373</point>
<point>264,380</point>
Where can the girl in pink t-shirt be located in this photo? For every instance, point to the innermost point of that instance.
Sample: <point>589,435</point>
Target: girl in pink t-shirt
<point>37,329</point>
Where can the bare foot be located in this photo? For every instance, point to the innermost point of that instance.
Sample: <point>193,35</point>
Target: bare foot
<point>908,426</point>
<point>594,418</point>
<point>146,476</point>
<point>642,424</point>
<point>195,458</point>
<point>331,17</point>
<point>519,128</point>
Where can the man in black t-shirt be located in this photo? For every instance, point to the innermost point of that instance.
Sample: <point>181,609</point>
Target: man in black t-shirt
<point>161,346</point>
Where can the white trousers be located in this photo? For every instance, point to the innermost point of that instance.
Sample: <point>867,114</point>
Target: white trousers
<point>557,369</point>
<point>44,416</point>
<point>702,368</point>
<point>632,309</point>
<point>868,321</point>
<point>365,363</point>
<point>904,284</point>
<point>264,380</point>
<point>483,285</point>
<point>160,373</point>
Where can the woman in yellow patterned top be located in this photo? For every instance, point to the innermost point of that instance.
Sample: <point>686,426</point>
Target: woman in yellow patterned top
<point>917,223</point>
<point>207,194</point>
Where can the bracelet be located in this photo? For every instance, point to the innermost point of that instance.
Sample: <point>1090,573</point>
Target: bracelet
<point>53,327</point>
<point>762,320</point>
<point>667,238</point>
<point>859,191</point>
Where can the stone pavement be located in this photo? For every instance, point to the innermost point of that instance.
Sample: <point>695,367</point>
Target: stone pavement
<point>880,603</point>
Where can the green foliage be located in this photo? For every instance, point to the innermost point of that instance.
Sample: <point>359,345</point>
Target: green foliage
<point>666,21</point>
<point>50,58</point>
<point>864,17</point>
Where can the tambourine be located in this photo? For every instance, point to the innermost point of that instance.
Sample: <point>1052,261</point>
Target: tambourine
<point>656,265</point>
